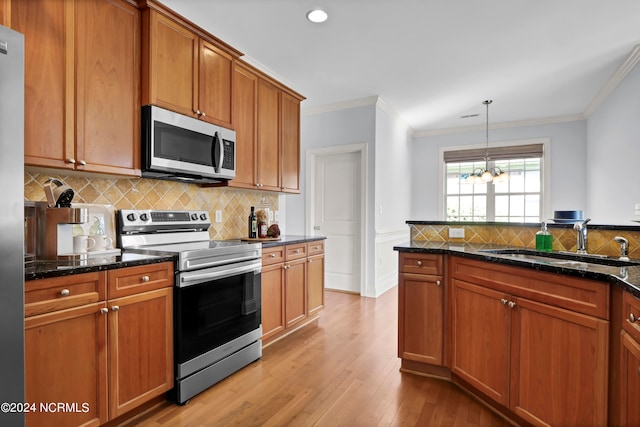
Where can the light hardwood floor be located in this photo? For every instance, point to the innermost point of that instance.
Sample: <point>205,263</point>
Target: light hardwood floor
<point>344,371</point>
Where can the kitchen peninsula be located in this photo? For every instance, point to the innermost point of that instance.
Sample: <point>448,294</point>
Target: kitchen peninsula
<point>543,338</point>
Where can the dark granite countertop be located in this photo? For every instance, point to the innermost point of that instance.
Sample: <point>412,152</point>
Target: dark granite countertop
<point>626,277</point>
<point>44,269</point>
<point>291,240</point>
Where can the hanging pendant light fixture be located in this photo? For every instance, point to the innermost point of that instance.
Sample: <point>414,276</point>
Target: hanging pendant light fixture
<point>486,174</point>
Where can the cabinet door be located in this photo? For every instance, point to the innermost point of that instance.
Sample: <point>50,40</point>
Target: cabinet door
<point>49,80</point>
<point>66,361</point>
<point>140,349</point>
<point>629,381</point>
<point>559,362</point>
<point>421,318</point>
<point>172,66</point>
<point>214,86</point>
<point>108,87</point>
<point>290,144</point>
<point>480,338</point>
<point>245,98</point>
<point>295,296</point>
<point>272,300</point>
<point>315,284</point>
<point>268,162</point>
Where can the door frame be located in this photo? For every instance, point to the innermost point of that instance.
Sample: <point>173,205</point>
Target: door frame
<point>311,155</point>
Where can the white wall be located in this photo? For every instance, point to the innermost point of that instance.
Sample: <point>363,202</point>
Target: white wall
<point>568,143</point>
<point>613,154</point>
<point>392,194</point>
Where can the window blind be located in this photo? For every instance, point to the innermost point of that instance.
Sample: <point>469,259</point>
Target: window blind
<point>495,153</point>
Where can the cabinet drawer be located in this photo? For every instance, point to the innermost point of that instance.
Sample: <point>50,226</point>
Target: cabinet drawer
<point>58,293</point>
<point>315,248</point>
<point>296,251</point>
<point>420,263</point>
<point>631,315</point>
<point>143,278</point>
<point>273,255</point>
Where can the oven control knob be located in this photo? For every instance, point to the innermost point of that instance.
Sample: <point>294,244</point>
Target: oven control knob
<point>203,217</point>
<point>194,216</point>
<point>144,217</point>
<point>131,217</point>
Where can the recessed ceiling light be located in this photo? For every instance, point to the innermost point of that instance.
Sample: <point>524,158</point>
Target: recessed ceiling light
<point>317,15</point>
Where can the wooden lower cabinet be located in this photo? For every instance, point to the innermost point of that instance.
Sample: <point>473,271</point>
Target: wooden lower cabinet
<point>104,357</point>
<point>315,284</point>
<point>629,381</point>
<point>140,349</point>
<point>292,287</point>
<point>480,339</point>
<point>272,300</point>
<point>421,308</point>
<point>295,292</point>
<point>66,361</point>
<point>546,364</point>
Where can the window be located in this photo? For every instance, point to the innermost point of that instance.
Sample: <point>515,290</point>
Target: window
<point>518,199</point>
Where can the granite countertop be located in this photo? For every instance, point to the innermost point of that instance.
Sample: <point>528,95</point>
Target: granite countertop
<point>627,277</point>
<point>44,269</point>
<point>291,240</point>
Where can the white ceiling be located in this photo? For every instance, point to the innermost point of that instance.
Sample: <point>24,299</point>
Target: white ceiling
<point>433,61</point>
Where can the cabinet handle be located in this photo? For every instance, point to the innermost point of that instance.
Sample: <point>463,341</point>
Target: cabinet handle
<point>145,279</point>
<point>197,112</point>
<point>115,308</point>
<point>297,251</point>
<point>64,292</point>
<point>419,263</point>
<point>438,283</point>
<point>632,318</point>
<point>511,304</point>
<point>272,255</point>
<point>104,310</point>
<point>203,114</point>
<point>72,161</point>
<point>317,248</point>
<point>82,162</point>
<point>504,301</point>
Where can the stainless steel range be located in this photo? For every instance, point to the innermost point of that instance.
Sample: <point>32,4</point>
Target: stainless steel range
<point>217,294</point>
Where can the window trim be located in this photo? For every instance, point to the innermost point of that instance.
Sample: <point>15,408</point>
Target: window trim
<point>546,169</point>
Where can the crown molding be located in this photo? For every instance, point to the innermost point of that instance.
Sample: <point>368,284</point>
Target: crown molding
<point>630,61</point>
<point>268,71</point>
<point>384,106</point>
<point>504,125</point>
<point>337,106</point>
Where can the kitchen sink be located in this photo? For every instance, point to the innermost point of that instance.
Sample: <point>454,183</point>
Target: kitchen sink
<point>568,259</point>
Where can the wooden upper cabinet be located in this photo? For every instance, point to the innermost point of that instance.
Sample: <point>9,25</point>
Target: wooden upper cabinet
<point>289,143</point>
<point>268,148</point>
<point>48,112</point>
<point>83,113</point>
<point>214,87</point>
<point>183,72</point>
<point>108,87</point>
<point>169,64</point>
<point>244,101</point>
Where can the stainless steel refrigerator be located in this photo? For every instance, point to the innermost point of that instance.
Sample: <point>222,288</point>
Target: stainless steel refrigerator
<point>11,224</point>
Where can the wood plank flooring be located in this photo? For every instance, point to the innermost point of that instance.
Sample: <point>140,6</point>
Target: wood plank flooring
<point>342,371</point>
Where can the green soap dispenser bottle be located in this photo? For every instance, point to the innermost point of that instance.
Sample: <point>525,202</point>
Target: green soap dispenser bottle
<point>544,239</point>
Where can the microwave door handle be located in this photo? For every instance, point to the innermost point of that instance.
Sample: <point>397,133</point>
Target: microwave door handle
<point>217,152</point>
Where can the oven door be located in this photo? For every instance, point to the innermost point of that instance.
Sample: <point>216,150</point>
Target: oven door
<point>216,306</point>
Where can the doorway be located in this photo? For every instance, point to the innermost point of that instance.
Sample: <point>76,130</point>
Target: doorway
<point>336,180</point>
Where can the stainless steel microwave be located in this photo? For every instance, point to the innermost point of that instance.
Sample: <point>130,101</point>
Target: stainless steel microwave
<point>181,148</point>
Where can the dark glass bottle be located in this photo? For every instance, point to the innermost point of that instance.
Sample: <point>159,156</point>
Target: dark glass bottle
<point>253,224</point>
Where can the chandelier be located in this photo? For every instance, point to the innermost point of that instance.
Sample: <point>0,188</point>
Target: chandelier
<point>486,174</point>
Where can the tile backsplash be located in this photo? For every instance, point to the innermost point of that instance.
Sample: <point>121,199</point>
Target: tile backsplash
<point>140,193</point>
<point>564,239</point>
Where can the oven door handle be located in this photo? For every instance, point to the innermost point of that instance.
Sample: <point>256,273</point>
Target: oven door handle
<point>209,274</point>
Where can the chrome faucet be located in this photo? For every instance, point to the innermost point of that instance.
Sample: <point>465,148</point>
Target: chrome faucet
<point>624,247</point>
<point>581,227</point>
